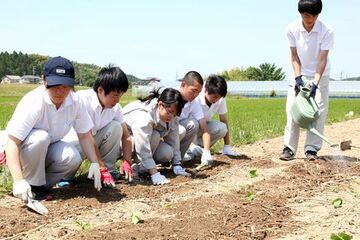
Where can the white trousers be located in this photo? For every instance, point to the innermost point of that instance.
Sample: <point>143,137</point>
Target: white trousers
<point>292,130</point>
<point>46,163</point>
<point>217,131</point>
<point>162,152</point>
<point>188,129</point>
<point>108,140</point>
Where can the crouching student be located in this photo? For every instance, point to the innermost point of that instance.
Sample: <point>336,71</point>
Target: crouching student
<point>154,125</point>
<point>212,101</point>
<point>110,132</point>
<point>36,156</point>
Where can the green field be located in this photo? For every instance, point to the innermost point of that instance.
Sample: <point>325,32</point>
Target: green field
<point>250,119</point>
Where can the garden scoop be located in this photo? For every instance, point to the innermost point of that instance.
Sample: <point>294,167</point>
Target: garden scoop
<point>345,145</point>
<point>305,111</point>
<point>36,206</point>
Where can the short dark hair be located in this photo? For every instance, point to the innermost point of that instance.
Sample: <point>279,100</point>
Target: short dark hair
<point>167,96</point>
<point>111,78</point>
<point>192,77</point>
<point>216,84</point>
<point>313,7</point>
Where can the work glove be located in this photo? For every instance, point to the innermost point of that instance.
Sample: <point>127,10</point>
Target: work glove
<point>179,170</point>
<point>126,169</point>
<point>94,173</point>
<point>313,90</point>
<point>22,189</point>
<point>298,83</point>
<point>106,178</point>
<point>159,179</point>
<point>228,151</point>
<point>206,158</point>
<point>2,156</point>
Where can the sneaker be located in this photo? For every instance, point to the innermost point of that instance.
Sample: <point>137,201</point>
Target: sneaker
<point>187,156</point>
<point>138,169</point>
<point>196,150</point>
<point>115,175</point>
<point>287,154</point>
<point>311,155</point>
<point>41,193</point>
<point>64,183</point>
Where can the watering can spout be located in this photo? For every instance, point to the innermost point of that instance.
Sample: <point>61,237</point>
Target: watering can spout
<point>317,133</point>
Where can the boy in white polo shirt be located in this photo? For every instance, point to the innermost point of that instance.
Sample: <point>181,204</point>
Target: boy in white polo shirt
<point>36,156</point>
<point>110,130</point>
<point>212,101</point>
<point>310,41</point>
<point>191,116</point>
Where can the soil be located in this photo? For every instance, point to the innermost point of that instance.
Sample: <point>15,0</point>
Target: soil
<point>286,200</point>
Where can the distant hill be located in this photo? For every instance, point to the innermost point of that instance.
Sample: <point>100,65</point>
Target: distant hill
<point>18,63</point>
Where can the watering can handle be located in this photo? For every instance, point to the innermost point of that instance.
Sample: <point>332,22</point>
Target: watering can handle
<point>313,103</point>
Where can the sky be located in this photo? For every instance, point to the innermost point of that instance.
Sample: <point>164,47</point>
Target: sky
<point>167,38</point>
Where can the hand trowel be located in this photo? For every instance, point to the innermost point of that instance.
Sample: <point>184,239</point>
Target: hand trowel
<point>36,206</point>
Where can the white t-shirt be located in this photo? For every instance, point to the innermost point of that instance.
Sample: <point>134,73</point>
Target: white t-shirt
<point>309,44</point>
<point>216,108</point>
<point>192,110</point>
<point>36,111</point>
<point>99,116</point>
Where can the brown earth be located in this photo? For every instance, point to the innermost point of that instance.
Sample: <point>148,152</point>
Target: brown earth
<point>291,200</point>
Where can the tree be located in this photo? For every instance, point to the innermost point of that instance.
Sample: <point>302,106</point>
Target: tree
<point>265,72</point>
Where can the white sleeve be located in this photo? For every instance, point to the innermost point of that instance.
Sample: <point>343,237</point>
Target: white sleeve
<point>83,122</point>
<point>197,110</point>
<point>222,107</point>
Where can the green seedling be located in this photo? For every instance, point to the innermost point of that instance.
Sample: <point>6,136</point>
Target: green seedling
<point>337,203</point>
<point>340,236</point>
<point>135,218</point>
<point>249,196</point>
<point>166,204</point>
<point>253,173</point>
<point>83,226</point>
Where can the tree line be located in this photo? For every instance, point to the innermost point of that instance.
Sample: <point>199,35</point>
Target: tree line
<point>265,72</point>
<point>18,63</point>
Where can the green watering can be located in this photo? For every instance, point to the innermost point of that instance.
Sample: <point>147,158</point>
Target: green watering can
<point>305,111</point>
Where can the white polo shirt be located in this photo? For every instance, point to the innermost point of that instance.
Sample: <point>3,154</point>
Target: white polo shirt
<point>36,111</point>
<point>309,44</point>
<point>192,110</point>
<point>99,116</point>
<point>216,108</point>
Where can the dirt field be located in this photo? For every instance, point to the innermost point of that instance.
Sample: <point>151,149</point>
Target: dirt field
<point>291,200</point>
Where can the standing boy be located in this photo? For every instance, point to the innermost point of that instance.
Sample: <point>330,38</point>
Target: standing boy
<point>310,41</point>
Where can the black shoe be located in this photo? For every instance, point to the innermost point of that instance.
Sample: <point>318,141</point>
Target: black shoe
<point>311,155</point>
<point>287,154</point>
<point>41,193</point>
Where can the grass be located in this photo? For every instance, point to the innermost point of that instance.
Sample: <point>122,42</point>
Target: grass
<point>250,119</point>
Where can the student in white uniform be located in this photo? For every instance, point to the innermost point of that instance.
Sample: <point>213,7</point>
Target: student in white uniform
<point>154,125</point>
<point>110,132</point>
<point>212,101</point>
<point>36,156</point>
<point>310,41</point>
<point>191,117</point>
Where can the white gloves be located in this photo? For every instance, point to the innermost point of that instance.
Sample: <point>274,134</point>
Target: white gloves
<point>159,179</point>
<point>228,151</point>
<point>206,158</point>
<point>179,170</point>
<point>22,189</point>
<point>94,173</point>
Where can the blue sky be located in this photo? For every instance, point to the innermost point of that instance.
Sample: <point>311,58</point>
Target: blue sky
<point>166,39</point>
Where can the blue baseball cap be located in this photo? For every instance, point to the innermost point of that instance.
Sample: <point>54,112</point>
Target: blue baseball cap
<point>59,71</point>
